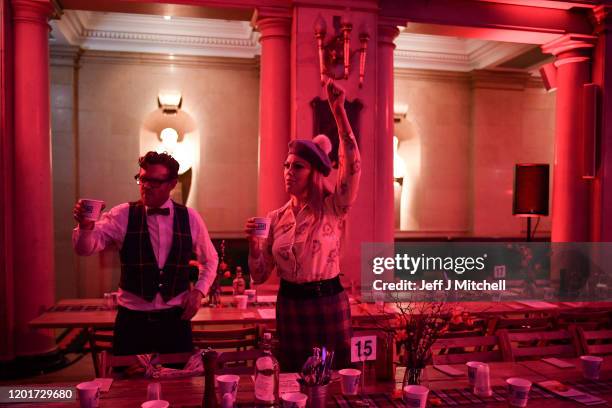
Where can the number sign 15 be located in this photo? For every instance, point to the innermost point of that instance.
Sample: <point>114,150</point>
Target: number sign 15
<point>363,348</point>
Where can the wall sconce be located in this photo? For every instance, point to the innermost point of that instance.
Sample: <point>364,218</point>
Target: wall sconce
<point>335,54</point>
<point>169,101</point>
<point>399,166</point>
<point>399,113</point>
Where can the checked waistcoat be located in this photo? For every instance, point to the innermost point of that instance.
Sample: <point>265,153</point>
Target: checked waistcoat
<point>140,273</point>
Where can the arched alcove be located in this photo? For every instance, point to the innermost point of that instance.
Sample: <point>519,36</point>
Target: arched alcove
<point>186,148</point>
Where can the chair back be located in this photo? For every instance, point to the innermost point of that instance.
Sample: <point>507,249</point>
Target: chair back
<point>236,339</point>
<point>100,341</point>
<point>237,362</point>
<point>520,325</point>
<point>591,320</point>
<point>457,350</point>
<point>595,342</point>
<point>537,344</point>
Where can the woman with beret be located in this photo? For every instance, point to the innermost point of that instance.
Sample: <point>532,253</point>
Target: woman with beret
<point>304,242</point>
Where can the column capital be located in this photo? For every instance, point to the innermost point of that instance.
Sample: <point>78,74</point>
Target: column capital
<point>602,18</point>
<point>387,33</point>
<point>32,11</point>
<point>272,23</point>
<point>571,48</point>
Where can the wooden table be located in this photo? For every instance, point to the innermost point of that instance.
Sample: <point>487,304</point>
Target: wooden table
<point>231,315</point>
<point>187,392</point>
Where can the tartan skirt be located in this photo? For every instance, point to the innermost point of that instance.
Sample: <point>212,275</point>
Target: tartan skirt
<point>302,324</point>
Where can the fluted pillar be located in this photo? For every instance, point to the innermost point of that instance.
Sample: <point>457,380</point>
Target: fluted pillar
<point>571,192</point>
<point>274,109</point>
<point>33,276</point>
<point>602,76</point>
<point>383,145</point>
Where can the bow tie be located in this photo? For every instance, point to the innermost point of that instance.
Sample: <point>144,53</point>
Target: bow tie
<point>158,211</point>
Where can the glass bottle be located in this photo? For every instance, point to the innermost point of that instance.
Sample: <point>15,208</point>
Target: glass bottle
<point>266,375</point>
<point>239,284</point>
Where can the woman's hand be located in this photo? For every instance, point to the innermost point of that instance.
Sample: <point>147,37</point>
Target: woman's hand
<point>255,243</point>
<point>335,95</point>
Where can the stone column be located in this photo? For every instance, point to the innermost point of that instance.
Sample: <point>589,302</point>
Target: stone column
<point>571,192</point>
<point>275,113</point>
<point>602,76</point>
<point>34,277</point>
<point>383,145</point>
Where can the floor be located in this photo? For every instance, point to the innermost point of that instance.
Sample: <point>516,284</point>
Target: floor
<point>79,371</point>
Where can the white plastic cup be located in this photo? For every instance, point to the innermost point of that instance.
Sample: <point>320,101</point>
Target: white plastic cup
<point>472,368</point>
<point>482,386</point>
<point>251,294</point>
<point>262,227</point>
<point>155,404</point>
<point>154,391</point>
<point>89,394</point>
<point>241,301</point>
<point>518,391</point>
<point>91,208</point>
<point>294,400</point>
<point>350,380</point>
<point>228,384</point>
<point>591,366</point>
<point>415,396</point>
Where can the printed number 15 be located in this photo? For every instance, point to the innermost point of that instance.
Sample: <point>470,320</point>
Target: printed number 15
<point>367,348</point>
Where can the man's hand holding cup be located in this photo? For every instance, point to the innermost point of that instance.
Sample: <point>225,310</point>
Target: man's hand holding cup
<point>86,212</point>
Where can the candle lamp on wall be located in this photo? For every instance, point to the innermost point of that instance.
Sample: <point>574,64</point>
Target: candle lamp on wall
<point>169,101</point>
<point>335,54</point>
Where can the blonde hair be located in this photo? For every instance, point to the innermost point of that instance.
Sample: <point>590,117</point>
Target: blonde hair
<point>317,191</point>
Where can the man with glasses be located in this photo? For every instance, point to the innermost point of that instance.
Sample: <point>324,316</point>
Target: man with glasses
<point>156,238</point>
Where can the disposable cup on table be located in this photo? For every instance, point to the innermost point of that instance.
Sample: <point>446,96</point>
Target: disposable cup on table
<point>591,366</point>
<point>228,383</point>
<point>518,391</point>
<point>89,394</point>
<point>350,380</point>
<point>482,386</point>
<point>294,400</point>
<point>415,396</point>
<point>472,368</point>
<point>241,301</point>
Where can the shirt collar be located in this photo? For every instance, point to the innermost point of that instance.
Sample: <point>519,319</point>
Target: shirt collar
<point>167,204</point>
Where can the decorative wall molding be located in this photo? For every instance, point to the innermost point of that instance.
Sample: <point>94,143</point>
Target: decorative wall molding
<point>144,33</point>
<point>136,33</point>
<point>431,75</point>
<point>63,55</point>
<point>433,52</point>
<point>500,79</point>
<point>141,58</point>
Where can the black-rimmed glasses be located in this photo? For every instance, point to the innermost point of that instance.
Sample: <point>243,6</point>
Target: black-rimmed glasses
<point>153,182</point>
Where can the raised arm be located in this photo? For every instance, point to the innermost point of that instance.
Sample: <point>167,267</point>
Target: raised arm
<point>90,237</point>
<point>349,159</point>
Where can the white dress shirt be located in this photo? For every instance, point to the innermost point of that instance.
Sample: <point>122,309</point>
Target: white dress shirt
<point>110,231</point>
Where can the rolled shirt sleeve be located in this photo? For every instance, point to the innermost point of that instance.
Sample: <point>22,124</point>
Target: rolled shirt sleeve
<point>108,231</point>
<point>205,252</point>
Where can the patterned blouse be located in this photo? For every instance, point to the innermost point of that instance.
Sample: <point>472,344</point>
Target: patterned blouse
<point>306,248</point>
